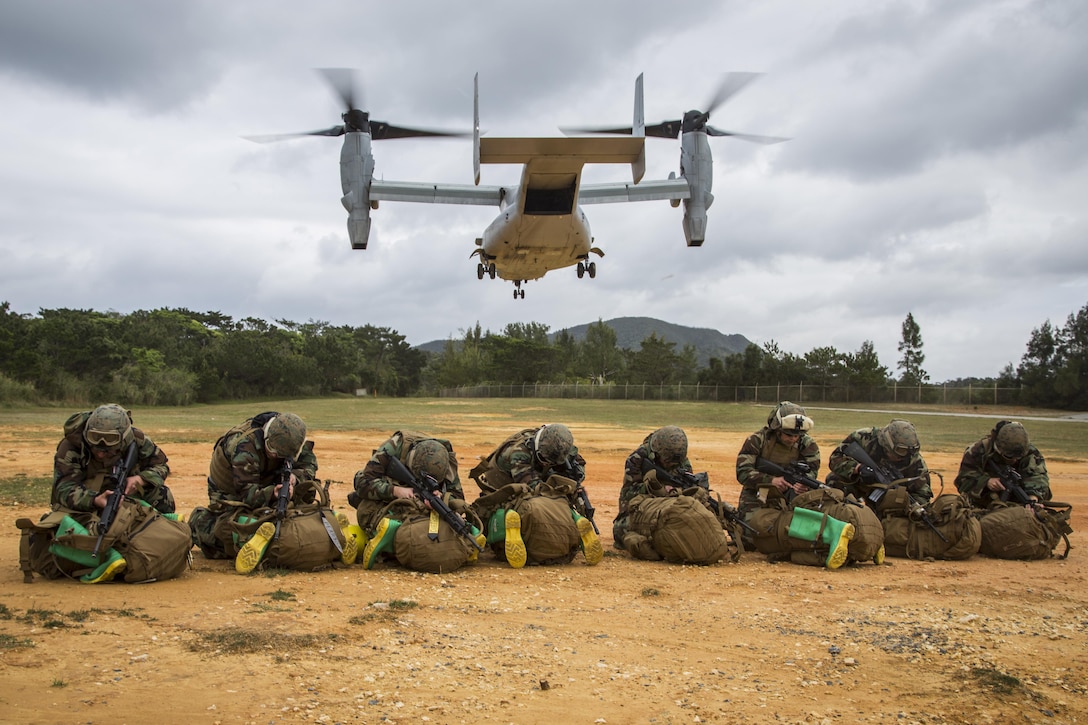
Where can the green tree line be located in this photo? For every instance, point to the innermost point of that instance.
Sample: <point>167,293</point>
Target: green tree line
<point>177,357</point>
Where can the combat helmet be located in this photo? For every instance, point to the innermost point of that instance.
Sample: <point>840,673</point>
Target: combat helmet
<point>109,428</point>
<point>284,435</point>
<point>898,438</point>
<point>669,445</point>
<point>1011,440</point>
<point>553,443</point>
<point>789,418</point>
<point>429,457</point>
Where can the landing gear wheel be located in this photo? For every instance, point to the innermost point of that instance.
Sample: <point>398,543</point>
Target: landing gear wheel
<point>479,271</point>
<point>521,293</point>
<point>491,270</point>
<point>592,269</point>
<point>581,270</point>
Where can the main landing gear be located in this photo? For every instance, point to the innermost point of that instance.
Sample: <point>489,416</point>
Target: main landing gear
<point>584,267</point>
<point>488,269</point>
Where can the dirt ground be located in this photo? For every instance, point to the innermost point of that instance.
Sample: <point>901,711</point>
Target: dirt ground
<point>976,641</point>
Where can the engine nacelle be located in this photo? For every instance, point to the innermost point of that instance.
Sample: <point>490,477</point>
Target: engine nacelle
<point>697,166</point>
<point>356,173</point>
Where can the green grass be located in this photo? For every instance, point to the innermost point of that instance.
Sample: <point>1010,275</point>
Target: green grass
<point>24,490</point>
<point>456,417</point>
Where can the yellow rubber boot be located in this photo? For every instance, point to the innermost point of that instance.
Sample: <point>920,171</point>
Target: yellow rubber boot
<point>105,568</point>
<point>381,541</point>
<point>354,539</point>
<point>591,543</point>
<point>249,556</point>
<point>516,555</point>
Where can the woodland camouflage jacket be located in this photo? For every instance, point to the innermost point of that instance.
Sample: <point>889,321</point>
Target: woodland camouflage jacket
<point>843,475</point>
<point>373,484</point>
<point>78,476</point>
<point>975,471</point>
<point>242,472</point>
<point>764,443</point>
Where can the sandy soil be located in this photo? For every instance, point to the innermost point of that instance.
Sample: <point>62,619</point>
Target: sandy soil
<point>978,641</point>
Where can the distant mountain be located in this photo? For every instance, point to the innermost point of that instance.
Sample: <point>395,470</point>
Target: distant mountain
<point>631,331</point>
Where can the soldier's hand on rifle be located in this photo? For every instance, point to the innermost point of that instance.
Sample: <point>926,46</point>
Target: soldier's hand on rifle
<point>403,492</point>
<point>290,488</point>
<point>133,485</point>
<point>101,499</point>
<point>994,484</point>
<point>783,485</point>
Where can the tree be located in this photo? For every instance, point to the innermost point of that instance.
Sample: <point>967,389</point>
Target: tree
<point>864,367</point>
<point>655,362</point>
<point>910,346</point>
<point>601,359</point>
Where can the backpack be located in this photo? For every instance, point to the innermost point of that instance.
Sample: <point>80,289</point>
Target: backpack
<point>868,533</point>
<point>679,528</point>
<point>427,543</point>
<point>1012,531</point>
<point>547,522</point>
<point>155,547</point>
<point>309,536</point>
<point>951,515</point>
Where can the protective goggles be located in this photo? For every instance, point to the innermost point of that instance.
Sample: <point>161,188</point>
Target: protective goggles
<point>103,438</point>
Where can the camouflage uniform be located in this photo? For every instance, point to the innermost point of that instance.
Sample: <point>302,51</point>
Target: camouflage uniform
<point>515,462</point>
<point>843,475</point>
<point>635,484</point>
<point>78,475</point>
<point>756,488</point>
<point>374,488</point>
<point>242,478</point>
<point>975,471</point>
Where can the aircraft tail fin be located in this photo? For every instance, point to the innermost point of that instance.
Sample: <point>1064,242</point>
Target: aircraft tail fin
<point>638,129</point>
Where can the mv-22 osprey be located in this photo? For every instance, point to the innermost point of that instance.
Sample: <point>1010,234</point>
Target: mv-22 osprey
<point>541,226</point>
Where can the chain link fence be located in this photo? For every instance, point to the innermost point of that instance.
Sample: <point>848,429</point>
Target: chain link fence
<point>798,393</point>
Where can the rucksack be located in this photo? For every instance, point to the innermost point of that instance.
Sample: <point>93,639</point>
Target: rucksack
<point>868,533</point>
<point>1012,531</point>
<point>679,528</point>
<point>309,536</point>
<point>951,515</point>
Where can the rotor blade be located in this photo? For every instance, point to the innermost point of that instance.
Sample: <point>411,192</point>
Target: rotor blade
<point>732,84</point>
<point>711,131</point>
<point>380,130</point>
<point>575,130</point>
<point>665,129</point>
<point>344,82</point>
<point>271,138</point>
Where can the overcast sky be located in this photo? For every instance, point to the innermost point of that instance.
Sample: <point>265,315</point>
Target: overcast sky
<point>937,164</point>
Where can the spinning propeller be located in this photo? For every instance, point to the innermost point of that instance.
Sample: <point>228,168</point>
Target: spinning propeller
<point>344,83</point>
<point>696,120</point>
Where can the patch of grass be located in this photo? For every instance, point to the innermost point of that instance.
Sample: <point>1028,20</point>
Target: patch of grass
<point>281,596</point>
<point>5,613</point>
<point>395,604</point>
<point>7,641</point>
<point>996,680</point>
<point>650,592</point>
<point>238,640</point>
<point>59,683</point>
<point>272,572</point>
<point>24,490</point>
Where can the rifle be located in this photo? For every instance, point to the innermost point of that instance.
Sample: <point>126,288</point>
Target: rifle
<point>796,472</point>
<point>118,474</point>
<point>283,476</point>
<point>1013,483</point>
<point>425,489</point>
<point>685,480</point>
<point>567,469</point>
<point>889,476</point>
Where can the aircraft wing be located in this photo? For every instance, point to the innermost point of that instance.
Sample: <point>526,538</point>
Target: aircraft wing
<point>671,189</point>
<point>436,193</point>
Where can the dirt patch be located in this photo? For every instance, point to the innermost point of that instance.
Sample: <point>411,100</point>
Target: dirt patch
<point>978,641</point>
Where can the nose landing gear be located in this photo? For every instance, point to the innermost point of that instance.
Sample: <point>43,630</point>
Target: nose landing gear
<point>587,267</point>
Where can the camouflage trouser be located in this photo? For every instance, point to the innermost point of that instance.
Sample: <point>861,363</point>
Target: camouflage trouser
<point>213,533</point>
<point>162,500</point>
<point>619,528</point>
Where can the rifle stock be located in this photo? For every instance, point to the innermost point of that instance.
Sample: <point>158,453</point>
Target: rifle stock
<point>426,491</point>
<point>791,474</point>
<point>118,474</point>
